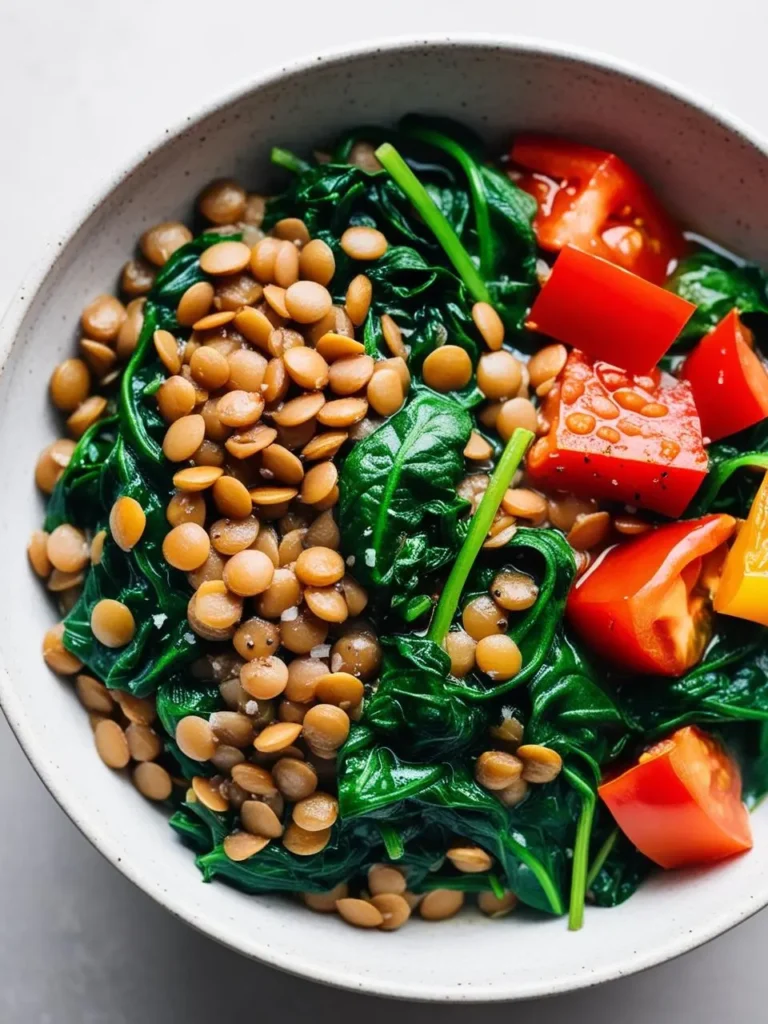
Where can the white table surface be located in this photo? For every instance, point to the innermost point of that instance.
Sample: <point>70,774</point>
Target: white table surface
<point>83,84</point>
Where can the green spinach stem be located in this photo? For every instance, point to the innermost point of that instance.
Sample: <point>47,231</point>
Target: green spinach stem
<point>478,531</point>
<point>601,857</point>
<point>476,187</point>
<point>538,870</point>
<point>580,850</point>
<point>285,158</point>
<point>434,218</point>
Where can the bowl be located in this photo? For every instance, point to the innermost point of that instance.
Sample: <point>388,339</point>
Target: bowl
<point>708,169</point>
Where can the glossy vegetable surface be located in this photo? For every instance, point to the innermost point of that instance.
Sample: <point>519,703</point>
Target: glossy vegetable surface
<point>680,804</point>
<point>591,199</point>
<point>607,312</point>
<point>624,438</point>
<point>728,380</point>
<point>645,604</point>
<point>743,590</point>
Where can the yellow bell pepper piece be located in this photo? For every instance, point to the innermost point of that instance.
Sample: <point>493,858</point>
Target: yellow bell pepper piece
<point>743,590</point>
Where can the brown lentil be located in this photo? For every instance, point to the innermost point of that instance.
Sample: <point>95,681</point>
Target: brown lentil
<point>161,241</point>
<point>326,727</point>
<point>358,299</point>
<point>316,812</point>
<point>239,846</point>
<point>254,326</point>
<point>55,654</point>
<point>319,567</point>
<point>264,678</point>
<point>222,202</point>
<point>196,738</point>
<point>342,412</point>
<point>128,335</point>
<point>546,364</point>
<point>316,262</point>
<point>496,769</point>
<point>299,410</point>
<point>259,819</point>
<point>325,902</point>
<point>482,617</point>
<point>256,638</point>
<point>394,910</point>
<point>447,368</point>
<point>513,794</point>
<point>385,392</point>
<point>152,781</point>
<point>514,413</point>
<point>100,357</point>
<point>337,346</point>
<point>183,437</point>
<point>589,531</point>
<point>359,913</point>
<point>477,448</point>
<point>363,243</point>
<point>385,879</point>
<point>141,710</point>
<point>111,744</point>
<point>185,508</point>
<point>52,462</point>
<point>175,398</point>
<point>112,623</point>
<point>196,478</point>
<point>525,504</point>
<point>489,324</point>
<point>295,779</point>
<point>186,546</point>
<point>277,737</point>
<point>209,794</point>
<point>469,859</point>
<point>358,653</point>
<point>514,591</point>
<point>307,302</point>
<point>67,549</point>
<point>70,384</point>
<point>440,904</point>
<point>499,657</point>
<point>496,906</point>
<point>540,764</point>
<point>460,647</point>
<point>225,258</point>
<point>143,742</point>
<point>499,375</point>
<point>303,632</point>
<point>303,674</point>
<point>94,695</point>
<point>136,278</point>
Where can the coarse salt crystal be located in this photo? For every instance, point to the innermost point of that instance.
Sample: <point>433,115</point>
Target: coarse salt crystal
<point>336,662</point>
<point>289,614</point>
<point>351,561</point>
<point>370,557</point>
<point>252,708</point>
<point>320,651</point>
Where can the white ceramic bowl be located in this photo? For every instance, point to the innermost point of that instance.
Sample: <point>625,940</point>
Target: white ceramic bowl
<point>709,170</point>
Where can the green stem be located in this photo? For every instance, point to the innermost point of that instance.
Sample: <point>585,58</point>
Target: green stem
<point>434,218</point>
<point>601,857</point>
<point>539,872</point>
<point>477,533</point>
<point>722,473</point>
<point>476,187</point>
<point>580,850</point>
<point>285,158</point>
<point>393,843</point>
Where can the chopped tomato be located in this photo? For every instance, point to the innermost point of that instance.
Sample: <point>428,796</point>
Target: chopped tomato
<point>730,385</point>
<point>743,591</point>
<point>611,435</point>
<point>608,312</point>
<point>681,803</point>
<point>592,200</point>
<point>646,604</point>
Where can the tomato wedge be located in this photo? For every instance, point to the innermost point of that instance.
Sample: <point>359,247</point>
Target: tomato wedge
<point>743,590</point>
<point>646,604</point>
<point>608,312</point>
<point>611,435</point>
<point>591,199</point>
<point>730,384</point>
<point>681,803</point>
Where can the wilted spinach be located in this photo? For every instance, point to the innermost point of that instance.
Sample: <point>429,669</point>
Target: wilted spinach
<point>717,284</point>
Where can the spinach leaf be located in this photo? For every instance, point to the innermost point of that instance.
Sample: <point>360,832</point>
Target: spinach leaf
<point>398,509</point>
<point>123,456</point>
<point>717,284</point>
<point>176,700</point>
<point>618,869</point>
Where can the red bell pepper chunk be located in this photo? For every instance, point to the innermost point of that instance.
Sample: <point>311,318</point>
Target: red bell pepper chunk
<point>608,312</point>
<point>635,440</point>
<point>646,604</point>
<point>680,804</point>
<point>729,383</point>
<point>591,199</point>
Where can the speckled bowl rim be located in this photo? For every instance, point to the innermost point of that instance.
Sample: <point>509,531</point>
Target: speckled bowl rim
<point>46,264</point>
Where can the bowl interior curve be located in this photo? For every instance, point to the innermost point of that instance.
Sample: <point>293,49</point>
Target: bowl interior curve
<point>713,177</point>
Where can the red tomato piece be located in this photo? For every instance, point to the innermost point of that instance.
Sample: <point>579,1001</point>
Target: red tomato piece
<point>591,199</point>
<point>729,383</point>
<point>681,803</point>
<point>608,312</point>
<point>634,439</point>
<point>646,604</point>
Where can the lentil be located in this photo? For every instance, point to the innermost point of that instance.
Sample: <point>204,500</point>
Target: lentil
<point>540,764</point>
<point>55,654</point>
<point>363,243</point>
<point>152,781</point>
<point>111,744</point>
<point>325,902</point>
<point>440,904</point>
<point>447,368</point>
<point>295,779</point>
<point>394,910</point>
<point>277,737</point>
<point>316,262</point>
<point>70,384</point>
<point>360,913</point>
<point>326,727</point>
<point>112,623</point>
